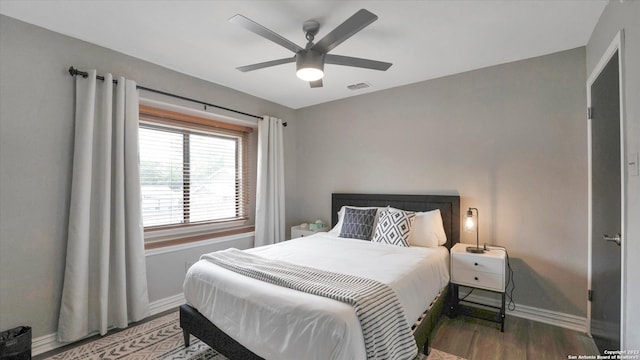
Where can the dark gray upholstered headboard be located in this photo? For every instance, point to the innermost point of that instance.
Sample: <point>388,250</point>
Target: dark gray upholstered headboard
<point>449,206</point>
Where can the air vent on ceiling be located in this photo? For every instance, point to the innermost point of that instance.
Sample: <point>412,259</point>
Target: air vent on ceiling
<point>362,85</point>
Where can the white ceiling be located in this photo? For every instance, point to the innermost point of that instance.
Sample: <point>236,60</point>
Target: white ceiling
<point>423,39</point>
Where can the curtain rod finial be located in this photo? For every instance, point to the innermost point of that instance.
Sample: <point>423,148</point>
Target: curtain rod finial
<point>73,72</point>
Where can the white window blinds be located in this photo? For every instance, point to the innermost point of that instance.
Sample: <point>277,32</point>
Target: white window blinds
<point>192,170</point>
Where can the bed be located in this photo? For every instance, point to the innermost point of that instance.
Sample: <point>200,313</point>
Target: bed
<point>212,297</point>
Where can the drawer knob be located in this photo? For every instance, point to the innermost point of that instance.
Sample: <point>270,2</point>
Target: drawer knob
<point>476,278</point>
<point>476,264</point>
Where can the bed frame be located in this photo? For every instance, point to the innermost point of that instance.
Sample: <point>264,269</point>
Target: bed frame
<point>194,323</point>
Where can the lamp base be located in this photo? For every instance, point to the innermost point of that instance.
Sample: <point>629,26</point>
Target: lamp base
<point>475,249</point>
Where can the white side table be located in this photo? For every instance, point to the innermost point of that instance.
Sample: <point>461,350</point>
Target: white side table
<point>297,232</point>
<point>481,271</point>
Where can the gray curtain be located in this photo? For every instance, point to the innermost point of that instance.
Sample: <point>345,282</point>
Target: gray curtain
<point>270,227</point>
<point>105,282</point>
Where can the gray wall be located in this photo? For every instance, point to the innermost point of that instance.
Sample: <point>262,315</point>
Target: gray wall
<point>36,133</point>
<point>509,139</point>
<point>616,16</point>
<point>166,270</point>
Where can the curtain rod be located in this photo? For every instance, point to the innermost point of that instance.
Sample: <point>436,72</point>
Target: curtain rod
<point>73,72</point>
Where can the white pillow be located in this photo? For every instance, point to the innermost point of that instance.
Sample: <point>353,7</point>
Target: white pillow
<point>338,227</point>
<point>427,230</point>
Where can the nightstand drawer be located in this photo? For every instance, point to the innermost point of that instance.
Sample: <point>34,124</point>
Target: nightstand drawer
<point>462,262</point>
<point>478,279</point>
<point>298,233</point>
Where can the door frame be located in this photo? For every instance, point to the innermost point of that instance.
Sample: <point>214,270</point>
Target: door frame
<point>616,44</point>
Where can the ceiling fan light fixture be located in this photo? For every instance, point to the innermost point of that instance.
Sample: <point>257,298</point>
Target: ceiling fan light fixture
<point>310,65</point>
<point>310,74</point>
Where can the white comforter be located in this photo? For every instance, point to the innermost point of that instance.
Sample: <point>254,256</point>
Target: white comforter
<point>280,323</point>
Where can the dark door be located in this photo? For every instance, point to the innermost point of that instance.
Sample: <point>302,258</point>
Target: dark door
<point>606,211</point>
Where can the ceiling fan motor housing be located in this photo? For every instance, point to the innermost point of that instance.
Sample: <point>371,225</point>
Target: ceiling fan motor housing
<point>310,59</point>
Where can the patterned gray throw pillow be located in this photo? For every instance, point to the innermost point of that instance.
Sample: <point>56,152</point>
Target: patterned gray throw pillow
<point>358,223</point>
<point>394,227</point>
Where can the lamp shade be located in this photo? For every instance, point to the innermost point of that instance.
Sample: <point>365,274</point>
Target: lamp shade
<point>310,65</point>
<point>469,224</point>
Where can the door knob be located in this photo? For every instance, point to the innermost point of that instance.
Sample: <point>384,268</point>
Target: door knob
<point>616,239</point>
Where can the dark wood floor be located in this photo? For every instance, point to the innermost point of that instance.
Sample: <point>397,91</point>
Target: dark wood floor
<point>476,339</point>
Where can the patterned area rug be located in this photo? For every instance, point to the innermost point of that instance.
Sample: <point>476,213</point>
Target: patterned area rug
<point>160,338</point>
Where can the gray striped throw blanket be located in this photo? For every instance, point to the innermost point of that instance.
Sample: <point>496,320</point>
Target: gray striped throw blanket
<point>386,332</point>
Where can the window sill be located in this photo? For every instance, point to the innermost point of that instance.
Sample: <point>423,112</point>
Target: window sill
<point>162,246</point>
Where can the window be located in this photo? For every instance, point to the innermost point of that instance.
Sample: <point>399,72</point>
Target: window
<point>193,171</point>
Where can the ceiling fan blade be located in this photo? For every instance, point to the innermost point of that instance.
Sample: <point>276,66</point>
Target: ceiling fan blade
<point>315,84</point>
<point>356,62</point>
<point>352,25</point>
<point>266,64</point>
<point>264,32</point>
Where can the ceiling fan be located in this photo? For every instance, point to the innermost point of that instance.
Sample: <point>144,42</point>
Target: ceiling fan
<point>310,60</point>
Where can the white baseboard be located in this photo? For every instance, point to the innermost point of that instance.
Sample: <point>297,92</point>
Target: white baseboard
<point>165,304</point>
<point>45,343</point>
<point>567,321</point>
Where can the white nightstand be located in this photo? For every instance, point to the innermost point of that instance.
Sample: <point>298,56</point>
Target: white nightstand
<point>297,232</point>
<point>482,271</point>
